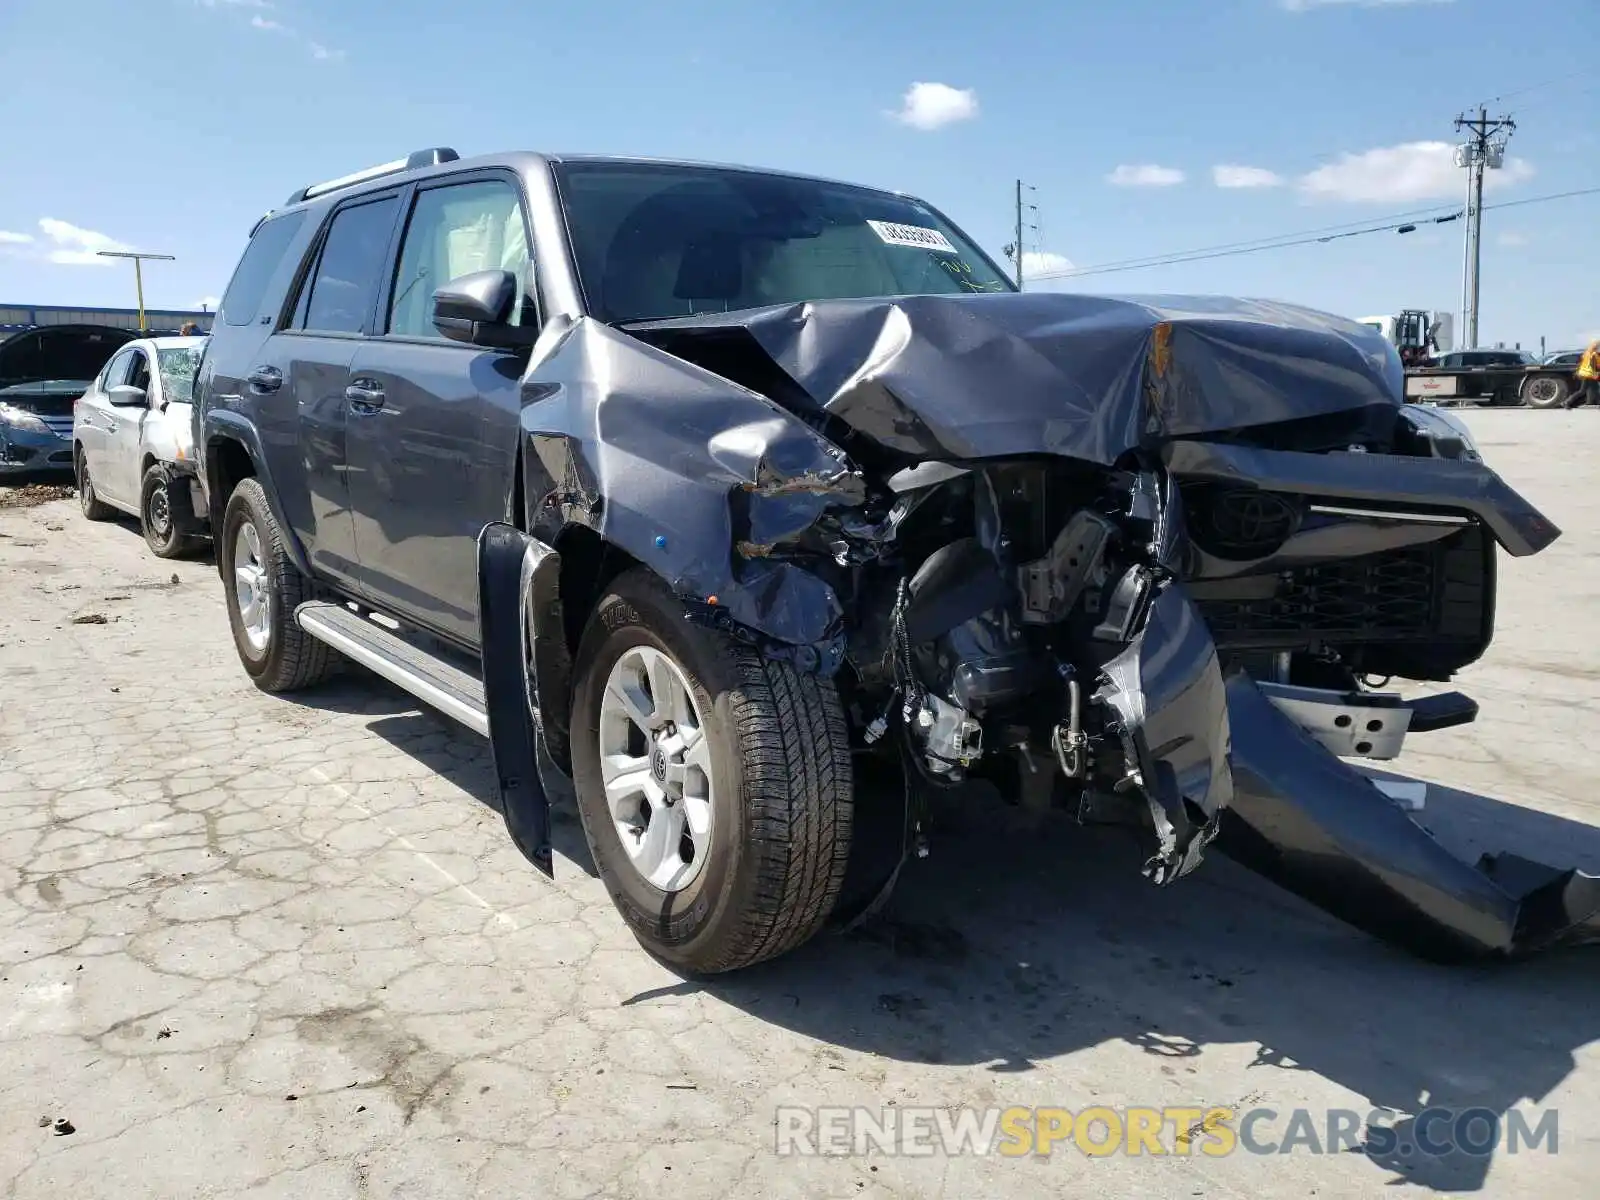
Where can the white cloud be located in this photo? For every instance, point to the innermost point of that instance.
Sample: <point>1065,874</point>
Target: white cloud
<point>1297,6</point>
<point>1511,238</point>
<point>1410,171</point>
<point>1145,175</point>
<point>267,25</point>
<point>72,246</point>
<point>1042,262</point>
<point>1230,176</point>
<point>932,105</point>
<point>7,238</point>
<point>324,54</point>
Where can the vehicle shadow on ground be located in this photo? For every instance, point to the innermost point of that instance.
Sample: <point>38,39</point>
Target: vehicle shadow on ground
<point>1016,942</point>
<point>1023,939</point>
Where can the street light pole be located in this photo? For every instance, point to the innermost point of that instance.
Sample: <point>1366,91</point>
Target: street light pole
<point>138,274</point>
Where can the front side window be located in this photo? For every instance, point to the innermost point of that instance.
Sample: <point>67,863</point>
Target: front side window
<point>666,241</point>
<point>455,231</point>
<point>116,372</point>
<point>348,270</point>
<point>139,372</point>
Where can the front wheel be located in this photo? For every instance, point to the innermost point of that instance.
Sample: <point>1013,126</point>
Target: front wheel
<point>714,784</point>
<point>1544,391</point>
<point>264,588</point>
<point>159,520</point>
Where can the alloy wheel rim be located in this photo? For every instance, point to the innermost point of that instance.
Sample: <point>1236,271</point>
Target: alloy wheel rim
<point>250,587</point>
<point>655,764</point>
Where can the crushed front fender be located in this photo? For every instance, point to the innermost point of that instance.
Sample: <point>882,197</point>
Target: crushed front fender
<point>1316,827</point>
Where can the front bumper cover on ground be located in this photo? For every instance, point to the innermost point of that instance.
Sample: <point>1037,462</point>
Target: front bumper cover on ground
<point>1317,827</point>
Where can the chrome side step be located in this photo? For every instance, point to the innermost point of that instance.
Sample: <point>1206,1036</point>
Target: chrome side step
<point>437,683</point>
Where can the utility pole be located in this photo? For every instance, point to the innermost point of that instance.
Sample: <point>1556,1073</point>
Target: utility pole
<point>1487,148</point>
<point>1015,250</point>
<point>1019,235</point>
<point>138,275</point>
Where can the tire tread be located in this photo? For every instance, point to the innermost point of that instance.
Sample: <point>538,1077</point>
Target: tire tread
<point>295,659</point>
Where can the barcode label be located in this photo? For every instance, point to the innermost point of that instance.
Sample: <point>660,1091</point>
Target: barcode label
<point>911,235</point>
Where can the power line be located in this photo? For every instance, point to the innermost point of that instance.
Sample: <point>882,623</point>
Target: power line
<point>1249,243</point>
<point>1307,237</point>
<point>1532,87</point>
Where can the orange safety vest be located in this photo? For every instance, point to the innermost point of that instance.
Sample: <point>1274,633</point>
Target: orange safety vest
<point>1589,364</point>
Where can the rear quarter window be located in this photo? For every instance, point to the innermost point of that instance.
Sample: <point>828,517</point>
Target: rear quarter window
<point>241,303</point>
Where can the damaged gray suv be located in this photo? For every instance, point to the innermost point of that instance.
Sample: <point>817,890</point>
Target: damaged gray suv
<point>748,509</point>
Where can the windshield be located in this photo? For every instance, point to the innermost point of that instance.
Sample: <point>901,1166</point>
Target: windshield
<point>177,373</point>
<point>654,241</point>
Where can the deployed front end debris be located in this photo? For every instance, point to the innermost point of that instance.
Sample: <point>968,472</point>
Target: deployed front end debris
<point>1142,562</point>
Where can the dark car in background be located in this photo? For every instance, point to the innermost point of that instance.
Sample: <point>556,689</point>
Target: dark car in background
<point>43,371</point>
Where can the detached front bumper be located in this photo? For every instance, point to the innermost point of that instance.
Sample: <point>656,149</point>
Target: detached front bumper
<point>24,451</point>
<point>1317,827</point>
<point>1257,768</point>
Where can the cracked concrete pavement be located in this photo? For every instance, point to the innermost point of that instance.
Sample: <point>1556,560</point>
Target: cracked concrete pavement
<point>268,947</point>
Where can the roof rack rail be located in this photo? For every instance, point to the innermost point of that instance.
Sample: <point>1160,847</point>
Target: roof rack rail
<point>417,158</point>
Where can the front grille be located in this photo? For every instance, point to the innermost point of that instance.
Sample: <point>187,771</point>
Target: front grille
<point>1418,592</point>
<point>60,426</point>
<point>1240,523</point>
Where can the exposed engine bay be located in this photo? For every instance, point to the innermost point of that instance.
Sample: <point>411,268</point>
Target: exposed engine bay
<point>1058,618</point>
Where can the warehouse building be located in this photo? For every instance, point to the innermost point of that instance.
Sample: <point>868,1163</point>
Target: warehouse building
<point>15,317</point>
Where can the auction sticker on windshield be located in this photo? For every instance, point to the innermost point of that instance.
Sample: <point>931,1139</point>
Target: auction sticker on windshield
<point>911,235</point>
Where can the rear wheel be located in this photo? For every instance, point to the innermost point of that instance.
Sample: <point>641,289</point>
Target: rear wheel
<point>158,517</point>
<point>1544,391</point>
<point>264,588</point>
<point>93,507</point>
<point>714,784</point>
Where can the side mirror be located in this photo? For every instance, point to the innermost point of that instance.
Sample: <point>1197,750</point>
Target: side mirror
<point>477,309</point>
<point>125,395</point>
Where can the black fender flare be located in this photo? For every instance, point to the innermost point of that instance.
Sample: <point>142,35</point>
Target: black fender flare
<point>518,581</point>
<point>220,425</point>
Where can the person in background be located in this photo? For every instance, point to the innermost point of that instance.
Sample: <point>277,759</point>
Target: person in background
<point>190,329</point>
<point>1588,389</point>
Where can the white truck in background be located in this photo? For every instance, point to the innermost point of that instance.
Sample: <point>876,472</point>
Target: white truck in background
<point>1437,373</point>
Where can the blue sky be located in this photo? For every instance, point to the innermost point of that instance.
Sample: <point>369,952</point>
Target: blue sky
<point>171,125</point>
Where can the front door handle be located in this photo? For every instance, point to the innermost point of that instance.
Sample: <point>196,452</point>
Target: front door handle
<point>365,395</point>
<point>265,379</point>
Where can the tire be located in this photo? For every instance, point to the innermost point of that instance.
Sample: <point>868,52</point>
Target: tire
<point>94,508</point>
<point>1544,391</point>
<point>284,657</point>
<point>157,520</point>
<point>779,793</point>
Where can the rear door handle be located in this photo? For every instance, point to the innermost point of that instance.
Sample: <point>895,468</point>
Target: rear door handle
<point>265,379</point>
<point>365,395</point>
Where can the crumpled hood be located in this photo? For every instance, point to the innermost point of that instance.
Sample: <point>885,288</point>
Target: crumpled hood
<point>1089,377</point>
